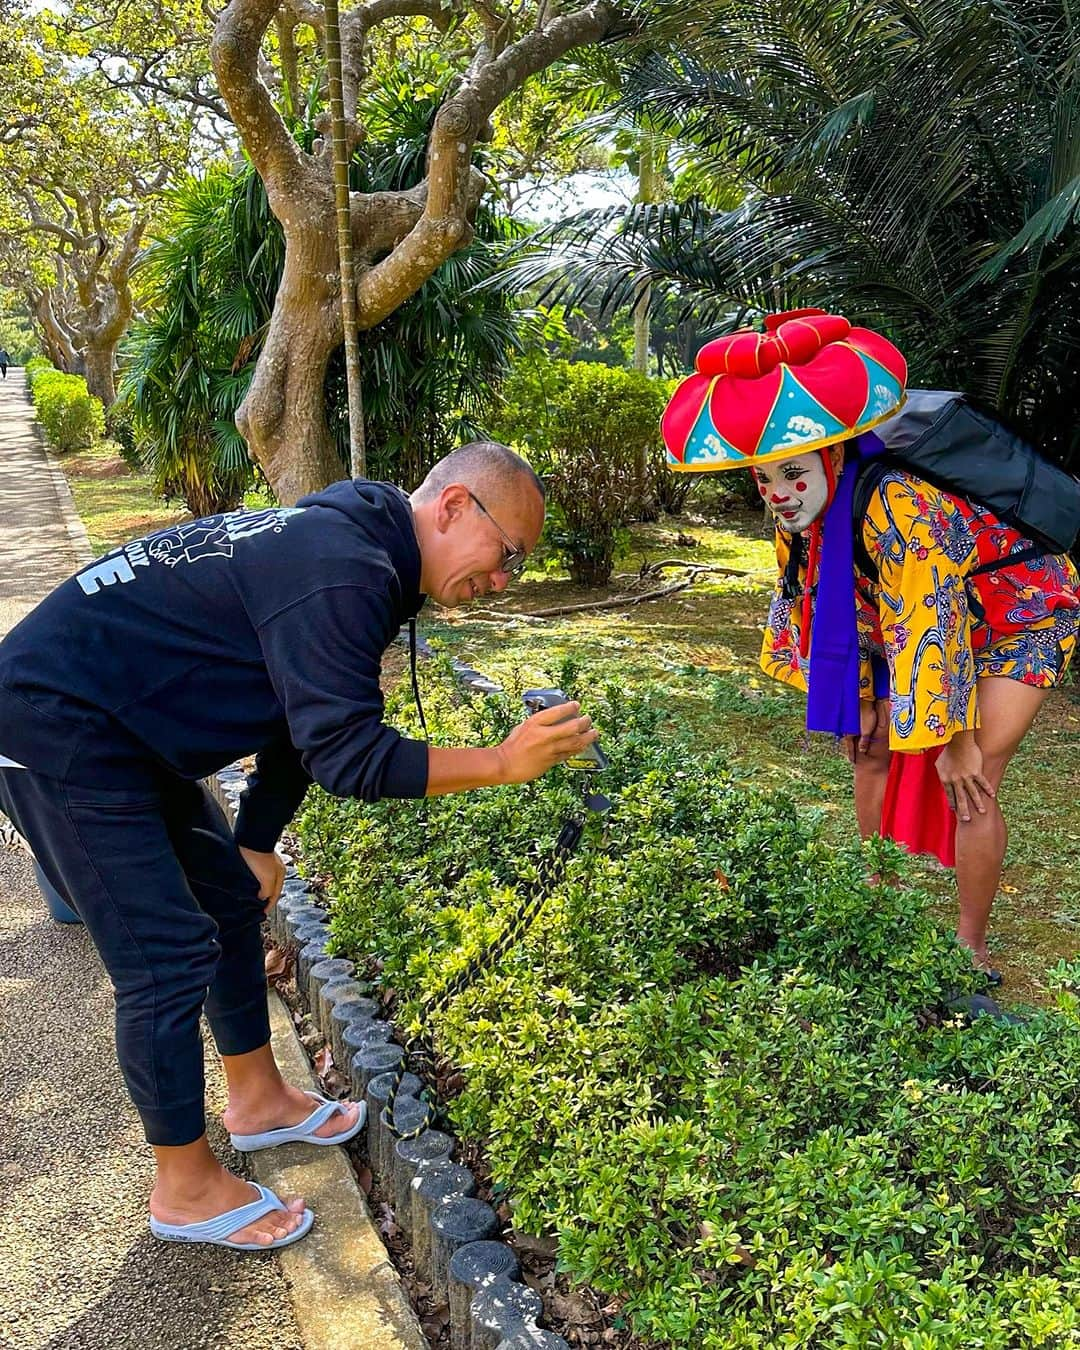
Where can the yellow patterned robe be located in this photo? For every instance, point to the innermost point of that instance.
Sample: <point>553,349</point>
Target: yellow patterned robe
<point>930,627</point>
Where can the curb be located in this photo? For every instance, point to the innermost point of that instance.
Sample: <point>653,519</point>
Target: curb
<point>346,1295</point>
<point>455,1246</point>
<point>345,1292</point>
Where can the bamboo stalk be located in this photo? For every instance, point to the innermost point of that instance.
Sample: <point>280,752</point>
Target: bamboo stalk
<point>357,458</point>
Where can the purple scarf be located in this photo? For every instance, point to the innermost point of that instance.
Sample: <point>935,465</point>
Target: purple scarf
<point>832,703</point>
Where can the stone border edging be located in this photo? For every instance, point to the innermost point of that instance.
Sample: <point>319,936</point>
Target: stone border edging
<point>345,1293</point>
<point>455,1246</point>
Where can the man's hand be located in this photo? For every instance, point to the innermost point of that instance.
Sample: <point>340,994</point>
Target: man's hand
<point>269,870</point>
<point>960,768</point>
<point>873,718</point>
<point>543,740</point>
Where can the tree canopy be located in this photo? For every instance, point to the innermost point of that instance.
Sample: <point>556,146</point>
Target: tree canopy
<point>915,165</point>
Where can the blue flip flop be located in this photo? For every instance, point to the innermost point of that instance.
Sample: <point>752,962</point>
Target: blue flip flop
<point>304,1133</point>
<point>216,1231</point>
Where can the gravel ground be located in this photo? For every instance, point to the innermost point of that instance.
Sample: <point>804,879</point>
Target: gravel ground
<point>78,1267</point>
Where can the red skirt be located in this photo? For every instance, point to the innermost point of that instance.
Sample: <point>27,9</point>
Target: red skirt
<point>916,812</point>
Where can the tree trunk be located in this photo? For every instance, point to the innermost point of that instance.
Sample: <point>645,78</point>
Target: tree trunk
<point>283,417</point>
<point>641,333</point>
<point>58,345</point>
<point>100,361</point>
<point>647,194</point>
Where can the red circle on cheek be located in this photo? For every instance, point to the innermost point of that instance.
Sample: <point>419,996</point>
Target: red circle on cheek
<point>762,489</point>
<point>800,487</point>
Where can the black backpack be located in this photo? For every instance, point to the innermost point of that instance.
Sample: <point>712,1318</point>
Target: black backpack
<point>943,438</point>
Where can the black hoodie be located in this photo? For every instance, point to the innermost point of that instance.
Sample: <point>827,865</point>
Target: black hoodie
<point>253,631</point>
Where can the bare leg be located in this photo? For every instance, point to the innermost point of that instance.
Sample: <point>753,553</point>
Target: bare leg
<point>260,1099</point>
<point>1007,709</point>
<point>871,775</point>
<point>192,1185</point>
<point>871,765</point>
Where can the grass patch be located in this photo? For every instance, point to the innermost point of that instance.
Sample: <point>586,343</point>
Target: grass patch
<point>115,503</point>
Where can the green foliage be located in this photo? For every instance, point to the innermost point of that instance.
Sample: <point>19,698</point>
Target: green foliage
<point>120,426</point>
<point>37,366</point>
<point>585,428</point>
<point>430,371</point>
<point>17,337</point>
<point>856,158</point>
<point>578,335</point>
<point>72,418</point>
<point>207,280</point>
<point>720,1066</point>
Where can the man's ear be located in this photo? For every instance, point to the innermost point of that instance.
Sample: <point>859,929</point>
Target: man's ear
<point>452,503</point>
<point>836,456</point>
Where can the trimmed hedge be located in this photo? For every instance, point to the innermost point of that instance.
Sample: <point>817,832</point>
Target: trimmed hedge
<point>722,1066</point>
<point>582,426</point>
<point>73,419</point>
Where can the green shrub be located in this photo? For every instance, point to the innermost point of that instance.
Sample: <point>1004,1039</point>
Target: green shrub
<point>721,1065</point>
<point>37,366</point>
<point>120,425</point>
<point>583,427</point>
<point>669,491</point>
<point>72,418</point>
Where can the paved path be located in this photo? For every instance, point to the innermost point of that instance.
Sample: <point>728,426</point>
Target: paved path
<point>78,1269</point>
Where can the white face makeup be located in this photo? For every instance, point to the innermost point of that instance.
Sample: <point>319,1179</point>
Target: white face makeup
<point>796,491</point>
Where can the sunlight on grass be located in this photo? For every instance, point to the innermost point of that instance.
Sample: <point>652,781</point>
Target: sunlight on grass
<point>115,503</point>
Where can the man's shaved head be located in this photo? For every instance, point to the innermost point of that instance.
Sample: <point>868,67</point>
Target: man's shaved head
<point>493,471</point>
<point>476,514</point>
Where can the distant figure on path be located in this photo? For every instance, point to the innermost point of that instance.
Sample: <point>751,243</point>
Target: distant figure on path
<point>5,361</point>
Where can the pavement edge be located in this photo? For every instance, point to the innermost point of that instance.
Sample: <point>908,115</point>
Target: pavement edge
<point>346,1294</point>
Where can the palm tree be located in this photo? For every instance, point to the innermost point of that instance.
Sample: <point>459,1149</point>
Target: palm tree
<point>912,163</point>
<point>207,282</point>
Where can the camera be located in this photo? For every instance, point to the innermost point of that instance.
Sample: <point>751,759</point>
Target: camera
<point>592,758</point>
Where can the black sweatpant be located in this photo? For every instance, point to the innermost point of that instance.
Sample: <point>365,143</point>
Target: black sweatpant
<point>173,910</point>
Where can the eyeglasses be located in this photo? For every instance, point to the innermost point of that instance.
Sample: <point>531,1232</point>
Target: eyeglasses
<point>514,558</point>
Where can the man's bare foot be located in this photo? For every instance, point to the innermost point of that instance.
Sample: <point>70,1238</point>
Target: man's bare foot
<point>220,1194</point>
<point>281,1106</point>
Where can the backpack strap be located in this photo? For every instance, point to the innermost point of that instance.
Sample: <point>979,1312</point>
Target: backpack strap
<point>867,483</point>
<point>1024,555</point>
<point>790,585</point>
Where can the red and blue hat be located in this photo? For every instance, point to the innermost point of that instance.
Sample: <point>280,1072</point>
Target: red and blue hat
<point>810,380</point>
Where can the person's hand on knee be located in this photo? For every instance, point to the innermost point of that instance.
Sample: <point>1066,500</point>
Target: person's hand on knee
<point>960,768</point>
<point>269,871</point>
<point>873,718</point>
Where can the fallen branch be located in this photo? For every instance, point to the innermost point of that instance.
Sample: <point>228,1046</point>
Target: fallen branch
<point>694,570</point>
<point>653,569</point>
<point>617,602</point>
<point>495,618</point>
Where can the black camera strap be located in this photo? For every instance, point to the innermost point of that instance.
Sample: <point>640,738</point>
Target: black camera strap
<point>549,874</point>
